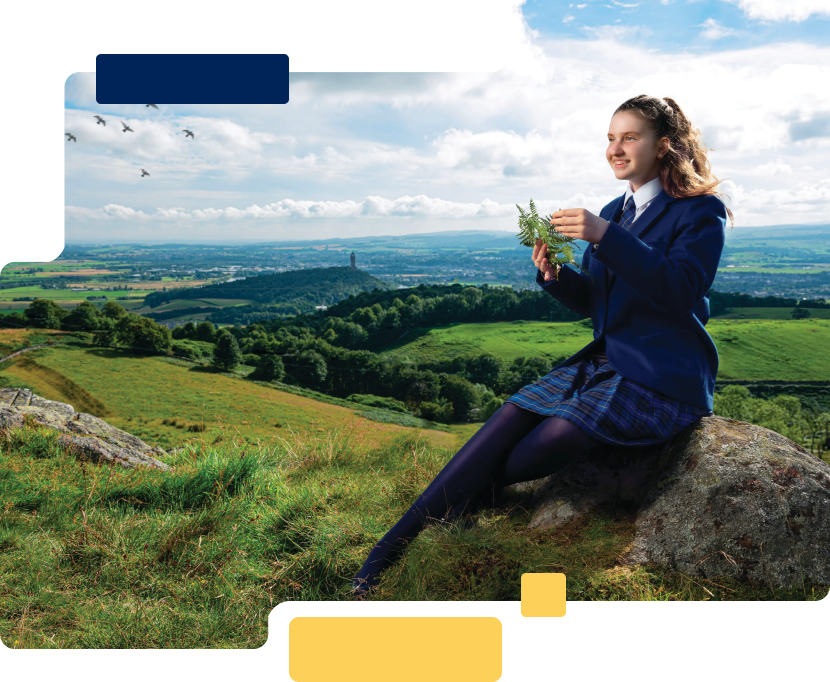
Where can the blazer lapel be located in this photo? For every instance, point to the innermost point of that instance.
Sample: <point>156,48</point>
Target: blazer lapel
<point>646,220</point>
<point>616,216</point>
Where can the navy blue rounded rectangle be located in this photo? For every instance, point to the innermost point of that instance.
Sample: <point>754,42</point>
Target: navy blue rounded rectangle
<point>191,78</point>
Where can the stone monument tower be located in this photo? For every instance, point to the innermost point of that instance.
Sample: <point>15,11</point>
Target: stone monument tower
<point>352,260</point>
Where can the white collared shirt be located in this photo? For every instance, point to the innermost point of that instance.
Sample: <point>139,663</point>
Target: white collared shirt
<point>642,198</point>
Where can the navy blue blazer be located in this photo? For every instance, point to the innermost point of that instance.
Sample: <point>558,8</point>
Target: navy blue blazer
<point>648,294</point>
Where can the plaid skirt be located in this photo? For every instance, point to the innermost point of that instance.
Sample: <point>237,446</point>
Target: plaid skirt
<point>607,407</point>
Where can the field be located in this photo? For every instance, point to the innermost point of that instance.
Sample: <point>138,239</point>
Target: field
<point>254,514</point>
<point>101,557</point>
<point>771,314</point>
<point>159,399</point>
<point>69,299</point>
<point>763,349</point>
<point>506,340</point>
<point>223,302</point>
<point>793,269</point>
<point>15,339</point>
<point>72,291</point>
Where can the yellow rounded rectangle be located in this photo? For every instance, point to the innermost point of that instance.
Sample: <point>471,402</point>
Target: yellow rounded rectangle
<point>380,649</point>
<point>543,594</point>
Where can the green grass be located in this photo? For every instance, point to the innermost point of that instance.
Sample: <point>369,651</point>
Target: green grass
<point>771,314</point>
<point>777,350</point>
<point>160,399</point>
<point>252,515</point>
<point>793,269</point>
<point>66,264</point>
<point>63,294</point>
<point>507,340</point>
<point>224,302</point>
<point>178,304</point>
<point>94,556</point>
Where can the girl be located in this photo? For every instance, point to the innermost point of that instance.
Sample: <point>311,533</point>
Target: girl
<point>650,370</point>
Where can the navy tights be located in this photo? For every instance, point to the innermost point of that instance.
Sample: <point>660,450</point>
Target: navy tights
<point>514,445</point>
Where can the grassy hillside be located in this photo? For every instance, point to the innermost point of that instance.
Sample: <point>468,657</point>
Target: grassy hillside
<point>506,340</point>
<point>301,289</point>
<point>777,350</point>
<point>253,515</point>
<point>165,401</point>
<point>771,314</point>
<point>101,557</point>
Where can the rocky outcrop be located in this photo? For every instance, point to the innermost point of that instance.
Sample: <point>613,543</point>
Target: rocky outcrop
<point>95,438</point>
<point>722,498</point>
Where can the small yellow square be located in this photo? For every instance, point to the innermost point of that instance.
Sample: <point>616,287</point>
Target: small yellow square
<point>543,594</point>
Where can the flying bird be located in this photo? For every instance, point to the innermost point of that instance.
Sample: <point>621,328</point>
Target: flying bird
<point>126,128</point>
<point>100,120</point>
<point>151,105</point>
<point>189,133</point>
<point>71,137</point>
<point>144,172</point>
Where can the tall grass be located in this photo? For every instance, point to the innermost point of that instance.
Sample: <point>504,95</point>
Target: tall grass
<point>196,557</point>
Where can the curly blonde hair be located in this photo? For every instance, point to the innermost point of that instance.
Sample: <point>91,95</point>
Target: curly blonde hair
<point>685,170</point>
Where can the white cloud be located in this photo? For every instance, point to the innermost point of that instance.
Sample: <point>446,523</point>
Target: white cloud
<point>454,147</point>
<point>714,31</point>
<point>627,5</point>
<point>568,18</point>
<point>782,10</point>
<point>776,167</point>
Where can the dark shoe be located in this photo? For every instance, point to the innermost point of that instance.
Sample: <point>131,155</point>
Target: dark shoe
<point>360,589</point>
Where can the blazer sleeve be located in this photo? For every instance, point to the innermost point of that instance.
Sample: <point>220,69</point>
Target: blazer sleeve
<point>675,281</point>
<point>572,289</point>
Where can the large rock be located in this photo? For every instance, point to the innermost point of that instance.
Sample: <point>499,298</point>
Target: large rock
<point>722,498</point>
<point>99,441</point>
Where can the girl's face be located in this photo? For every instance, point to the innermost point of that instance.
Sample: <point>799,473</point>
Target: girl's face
<point>633,151</point>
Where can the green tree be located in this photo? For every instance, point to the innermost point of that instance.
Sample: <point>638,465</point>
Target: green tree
<point>205,331</point>
<point>733,403</point>
<point>816,426</point>
<point>351,335</point>
<point>270,368</point>
<point>112,310</point>
<point>45,313</point>
<point>143,333</point>
<point>490,408</point>
<point>105,333</point>
<point>85,317</point>
<point>310,369</point>
<point>461,393</point>
<point>800,313</point>
<point>782,414</point>
<point>14,320</point>
<point>250,359</point>
<point>226,355</point>
<point>364,316</point>
<point>484,369</point>
<point>436,412</point>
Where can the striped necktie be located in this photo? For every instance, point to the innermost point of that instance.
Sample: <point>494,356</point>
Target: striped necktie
<point>629,212</point>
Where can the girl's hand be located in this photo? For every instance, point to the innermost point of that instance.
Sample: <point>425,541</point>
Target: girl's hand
<point>540,252</point>
<point>580,224</point>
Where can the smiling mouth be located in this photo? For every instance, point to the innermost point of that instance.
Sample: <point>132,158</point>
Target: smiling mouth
<point>620,164</point>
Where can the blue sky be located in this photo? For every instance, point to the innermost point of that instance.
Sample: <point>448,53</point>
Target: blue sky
<point>356,154</point>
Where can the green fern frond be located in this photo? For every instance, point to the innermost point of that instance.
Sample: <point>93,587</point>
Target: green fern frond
<point>560,247</point>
